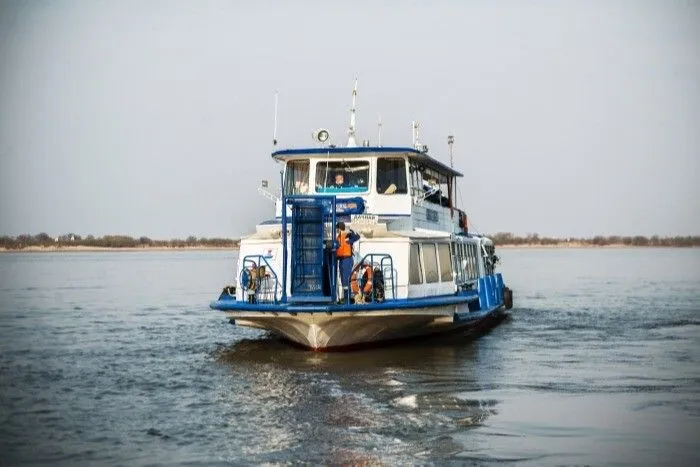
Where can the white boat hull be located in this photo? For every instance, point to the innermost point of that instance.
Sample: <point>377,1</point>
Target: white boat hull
<point>327,330</point>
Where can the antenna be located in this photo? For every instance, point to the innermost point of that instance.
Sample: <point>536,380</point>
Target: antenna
<point>274,131</point>
<point>351,130</point>
<point>415,133</point>
<point>450,143</point>
<point>379,130</point>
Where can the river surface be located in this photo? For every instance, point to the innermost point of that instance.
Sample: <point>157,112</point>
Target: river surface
<point>114,358</point>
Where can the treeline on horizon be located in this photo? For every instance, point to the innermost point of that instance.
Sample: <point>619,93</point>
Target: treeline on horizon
<point>110,241</point>
<point>506,238</point>
<point>501,238</point>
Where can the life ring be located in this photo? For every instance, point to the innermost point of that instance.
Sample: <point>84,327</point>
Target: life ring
<point>366,276</point>
<point>249,277</point>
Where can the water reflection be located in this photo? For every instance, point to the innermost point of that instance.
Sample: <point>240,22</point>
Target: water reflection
<point>383,405</point>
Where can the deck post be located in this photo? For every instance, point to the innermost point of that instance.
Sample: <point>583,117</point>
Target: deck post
<point>284,242</point>
<point>483,295</point>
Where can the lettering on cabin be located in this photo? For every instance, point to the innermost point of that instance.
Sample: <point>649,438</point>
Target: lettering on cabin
<point>431,215</point>
<point>364,219</point>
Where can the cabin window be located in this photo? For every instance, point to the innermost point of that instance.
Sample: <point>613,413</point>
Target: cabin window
<point>342,177</point>
<point>464,262</point>
<point>457,263</point>
<point>489,253</point>
<point>445,262</point>
<point>415,273</point>
<point>430,263</point>
<point>391,176</point>
<point>296,180</point>
<point>429,185</point>
<point>472,266</point>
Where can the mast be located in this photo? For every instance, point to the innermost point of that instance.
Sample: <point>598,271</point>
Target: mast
<point>450,142</point>
<point>453,180</point>
<point>414,126</point>
<point>274,130</point>
<point>351,130</point>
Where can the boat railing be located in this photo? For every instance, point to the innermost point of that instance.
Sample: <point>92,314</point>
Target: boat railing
<point>381,288</point>
<point>259,281</point>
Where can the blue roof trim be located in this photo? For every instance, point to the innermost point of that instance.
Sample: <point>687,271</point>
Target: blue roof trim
<point>342,150</point>
<point>412,153</point>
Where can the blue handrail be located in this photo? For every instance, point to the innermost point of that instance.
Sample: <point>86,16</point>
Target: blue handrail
<point>322,224</point>
<point>384,260</point>
<point>257,261</point>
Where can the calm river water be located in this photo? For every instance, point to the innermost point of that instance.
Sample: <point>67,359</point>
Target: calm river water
<point>115,358</point>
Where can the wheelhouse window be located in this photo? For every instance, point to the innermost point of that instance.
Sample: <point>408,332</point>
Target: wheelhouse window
<point>430,263</point>
<point>445,262</point>
<point>415,272</point>
<point>391,176</point>
<point>342,176</point>
<point>430,185</point>
<point>296,179</point>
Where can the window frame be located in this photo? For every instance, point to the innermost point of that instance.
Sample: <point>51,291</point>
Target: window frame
<point>404,174</point>
<point>443,271</point>
<point>428,274</point>
<point>289,188</point>
<point>418,259</point>
<point>324,167</point>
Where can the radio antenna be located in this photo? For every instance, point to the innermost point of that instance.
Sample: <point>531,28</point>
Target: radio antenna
<point>379,130</point>
<point>274,130</point>
<point>415,125</point>
<point>351,130</point>
<point>450,143</point>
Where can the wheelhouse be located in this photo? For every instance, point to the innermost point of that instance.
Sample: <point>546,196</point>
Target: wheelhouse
<point>392,182</point>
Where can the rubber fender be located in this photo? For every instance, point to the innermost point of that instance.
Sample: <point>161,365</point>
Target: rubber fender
<point>507,298</point>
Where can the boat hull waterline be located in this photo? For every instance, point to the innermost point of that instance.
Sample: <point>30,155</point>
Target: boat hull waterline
<point>338,328</point>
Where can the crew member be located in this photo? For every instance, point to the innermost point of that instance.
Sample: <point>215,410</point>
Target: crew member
<point>344,255</point>
<point>339,181</point>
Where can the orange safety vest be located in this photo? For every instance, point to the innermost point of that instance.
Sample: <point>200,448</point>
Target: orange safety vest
<point>344,248</point>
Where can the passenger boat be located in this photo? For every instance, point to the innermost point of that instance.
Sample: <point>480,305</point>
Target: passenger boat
<point>418,270</point>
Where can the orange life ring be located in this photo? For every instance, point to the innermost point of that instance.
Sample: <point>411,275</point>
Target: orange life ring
<point>366,274</point>
<point>252,279</point>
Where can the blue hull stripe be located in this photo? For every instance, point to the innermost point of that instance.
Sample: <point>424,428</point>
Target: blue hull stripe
<point>428,302</point>
<point>469,316</point>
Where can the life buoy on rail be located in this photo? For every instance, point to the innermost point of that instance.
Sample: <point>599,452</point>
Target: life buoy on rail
<point>249,277</point>
<point>364,272</point>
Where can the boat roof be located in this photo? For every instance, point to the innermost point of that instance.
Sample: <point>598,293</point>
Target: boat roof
<point>413,154</point>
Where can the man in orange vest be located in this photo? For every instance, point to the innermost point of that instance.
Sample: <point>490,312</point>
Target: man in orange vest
<point>343,253</point>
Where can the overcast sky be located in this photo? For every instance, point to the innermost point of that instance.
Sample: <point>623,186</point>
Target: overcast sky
<point>156,117</point>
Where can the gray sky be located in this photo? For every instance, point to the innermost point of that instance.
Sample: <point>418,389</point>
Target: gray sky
<point>155,118</point>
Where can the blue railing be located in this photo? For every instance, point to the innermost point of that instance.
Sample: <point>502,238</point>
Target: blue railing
<point>312,267</point>
<point>385,263</point>
<point>259,281</point>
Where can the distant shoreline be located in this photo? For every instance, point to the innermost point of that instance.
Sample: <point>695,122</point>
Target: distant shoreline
<point>97,249</point>
<point>94,249</point>
<point>577,245</point>
<point>72,242</point>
